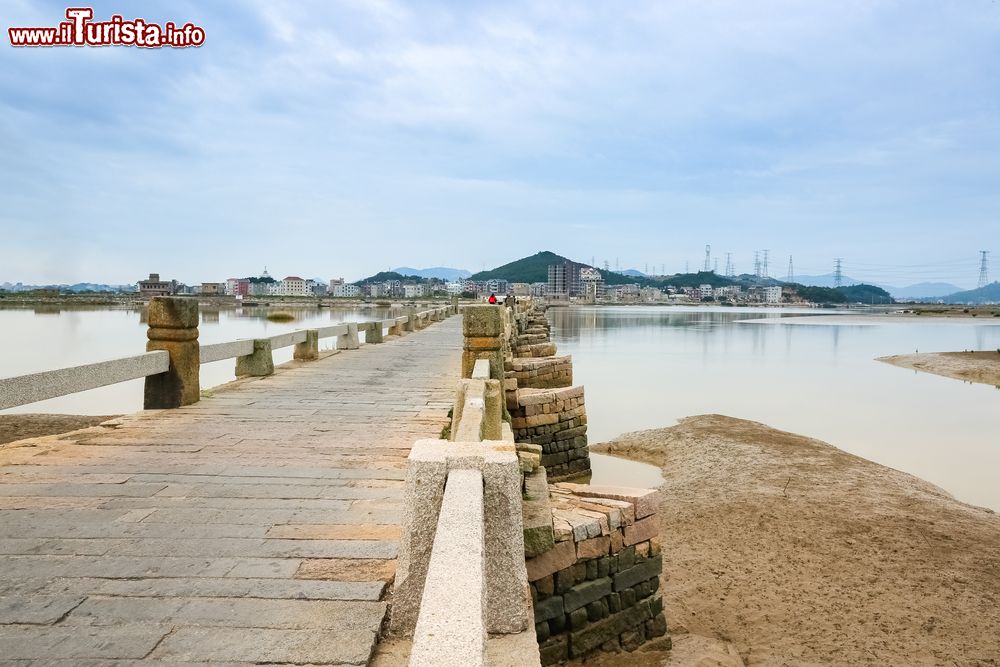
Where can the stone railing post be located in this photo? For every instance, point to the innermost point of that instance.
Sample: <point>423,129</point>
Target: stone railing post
<point>374,332</point>
<point>309,349</point>
<point>258,363</point>
<point>454,305</point>
<point>410,325</point>
<point>173,326</point>
<point>350,340</point>
<point>483,329</point>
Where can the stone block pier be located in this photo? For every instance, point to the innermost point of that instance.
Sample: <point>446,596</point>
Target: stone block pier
<point>419,485</point>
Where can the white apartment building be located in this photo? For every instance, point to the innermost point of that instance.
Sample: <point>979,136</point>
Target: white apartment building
<point>415,291</point>
<point>346,289</point>
<point>772,294</point>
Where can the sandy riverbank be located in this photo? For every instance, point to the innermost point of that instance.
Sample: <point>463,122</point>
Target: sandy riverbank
<point>19,427</point>
<point>982,367</point>
<point>793,552</point>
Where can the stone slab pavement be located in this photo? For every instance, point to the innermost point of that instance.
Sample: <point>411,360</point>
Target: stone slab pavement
<point>258,526</point>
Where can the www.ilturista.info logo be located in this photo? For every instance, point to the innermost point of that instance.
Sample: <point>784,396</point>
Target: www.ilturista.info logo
<point>81,30</point>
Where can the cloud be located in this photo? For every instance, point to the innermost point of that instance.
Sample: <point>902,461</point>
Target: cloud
<point>337,138</point>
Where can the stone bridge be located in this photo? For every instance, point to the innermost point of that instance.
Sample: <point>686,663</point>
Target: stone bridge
<point>265,524</point>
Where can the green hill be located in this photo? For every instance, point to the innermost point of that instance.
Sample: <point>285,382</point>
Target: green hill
<point>534,269</point>
<point>383,276</point>
<point>986,294</point>
<point>846,294</point>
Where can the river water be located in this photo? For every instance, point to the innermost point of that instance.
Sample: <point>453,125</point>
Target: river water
<point>33,340</point>
<point>645,367</point>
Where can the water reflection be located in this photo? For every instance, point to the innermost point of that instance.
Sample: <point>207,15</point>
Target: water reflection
<point>645,367</point>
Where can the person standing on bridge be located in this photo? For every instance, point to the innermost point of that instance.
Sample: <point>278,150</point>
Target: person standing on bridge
<point>492,299</point>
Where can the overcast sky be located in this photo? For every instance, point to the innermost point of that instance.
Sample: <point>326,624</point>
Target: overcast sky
<point>341,138</point>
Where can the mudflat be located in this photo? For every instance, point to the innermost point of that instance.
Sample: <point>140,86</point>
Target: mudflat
<point>21,427</point>
<point>784,550</point>
<point>981,367</point>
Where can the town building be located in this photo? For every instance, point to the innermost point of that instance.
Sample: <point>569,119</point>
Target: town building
<point>564,279</point>
<point>346,290</point>
<point>213,289</point>
<point>592,284</point>
<point>153,286</point>
<point>292,286</point>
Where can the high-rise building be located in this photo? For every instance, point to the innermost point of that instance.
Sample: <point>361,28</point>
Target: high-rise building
<point>564,279</point>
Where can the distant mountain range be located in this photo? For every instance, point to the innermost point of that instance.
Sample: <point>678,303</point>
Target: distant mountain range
<point>917,291</point>
<point>440,272</point>
<point>78,287</point>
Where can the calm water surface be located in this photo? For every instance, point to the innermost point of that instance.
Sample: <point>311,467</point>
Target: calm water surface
<point>50,338</point>
<point>645,367</point>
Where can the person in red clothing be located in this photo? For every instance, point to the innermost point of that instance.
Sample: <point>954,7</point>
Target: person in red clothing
<point>492,299</point>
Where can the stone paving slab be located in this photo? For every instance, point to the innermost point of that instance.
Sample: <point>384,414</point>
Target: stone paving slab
<point>259,526</point>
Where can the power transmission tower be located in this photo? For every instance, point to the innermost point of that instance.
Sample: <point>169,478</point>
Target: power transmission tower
<point>708,258</point>
<point>687,266</point>
<point>838,272</point>
<point>663,269</point>
<point>984,267</point>
<point>617,268</point>
<point>765,263</point>
<point>729,265</point>
<point>715,265</point>
<point>791,273</point>
<point>756,263</point>
<point>606,265</point>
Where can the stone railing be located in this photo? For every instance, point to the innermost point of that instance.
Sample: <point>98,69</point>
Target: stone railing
<point>591,553</point>
<point>462,588</point>
<point>172,362</point>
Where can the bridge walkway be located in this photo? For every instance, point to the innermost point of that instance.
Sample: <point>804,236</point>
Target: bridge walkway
<point>258,526</point>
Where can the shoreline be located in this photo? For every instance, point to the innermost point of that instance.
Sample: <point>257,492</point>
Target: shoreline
<point>975,367</point>
<point>782,549</point>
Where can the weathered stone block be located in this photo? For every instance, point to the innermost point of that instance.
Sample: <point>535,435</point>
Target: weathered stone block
<point>373,335</point>
<point>349,341</point>
<point>308,350</point>
<point>638,573</point>
<point>594,547</point>
<point>483,320</point>
<point>585,593</point>
<point>586,640</point>
<point>258,363</point>
<point>578,618</point>
<point>656,626</point>
<point>554,651</point>
<point>550,608</point>
<point>560,557</point>
<point>642,530</point>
